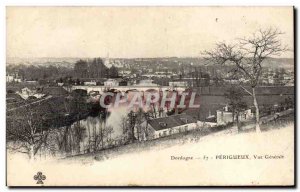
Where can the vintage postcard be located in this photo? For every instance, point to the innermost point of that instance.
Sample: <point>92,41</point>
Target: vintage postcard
<point>150,96</point>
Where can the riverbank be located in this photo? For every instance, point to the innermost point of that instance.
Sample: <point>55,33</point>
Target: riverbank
<point>197,162</point>
<point>194,136</point>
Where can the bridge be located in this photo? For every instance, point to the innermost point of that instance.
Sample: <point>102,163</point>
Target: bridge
<point>101,89</point>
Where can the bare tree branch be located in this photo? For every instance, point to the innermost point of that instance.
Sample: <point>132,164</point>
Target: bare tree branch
<point>247,57</point>
<point>245,89</point>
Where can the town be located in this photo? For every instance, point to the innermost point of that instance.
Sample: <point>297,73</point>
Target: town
<point>65,94</point>
<point>150,96</point>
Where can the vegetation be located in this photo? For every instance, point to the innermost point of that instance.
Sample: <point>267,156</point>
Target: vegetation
<point>247,56</point>
<point>235,98</point>
<point>28,128</point>
<point>27,131</point>
<point>94,68</point>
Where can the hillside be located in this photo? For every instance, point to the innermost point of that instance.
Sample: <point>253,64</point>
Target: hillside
<point>186,163</point>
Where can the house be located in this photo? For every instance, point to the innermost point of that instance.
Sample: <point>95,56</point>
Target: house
<point>27,93</point>
<point>147,83</point>
<point>111,83</point>
<point>125,72</point>
<point>94,93</point>
<point>9,78</point>
<point>149,70</point>
<point>123,83</point>
<point>225,115</point>
<point>210,121</point>
<point>178,84</point>
<point>207,124</point>
<point>18,80</point>
<point>13,78</point>
<point>92,83</point>
<point>31,82</point>
<point>164,126</point>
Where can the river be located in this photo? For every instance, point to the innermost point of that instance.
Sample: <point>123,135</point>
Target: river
<point>84,136</point>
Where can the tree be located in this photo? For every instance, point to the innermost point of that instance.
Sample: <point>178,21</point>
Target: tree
<point>67,138</point>
<point>131,120</point>
<point>76,104</point>
<point>96,68</point>
<point>113,72</point>
<point>125,128</point>
<point>81,68</point>
<point>31,72</point>
<point>99,136</point>
<point>27,131</point>
<point>181,71</point>
<point>247,56</point>
<point>235,98</point>
<point>140,130</point>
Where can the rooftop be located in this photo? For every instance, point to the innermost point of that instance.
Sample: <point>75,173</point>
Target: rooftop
<point>55,91</point>
<point>171,121</point>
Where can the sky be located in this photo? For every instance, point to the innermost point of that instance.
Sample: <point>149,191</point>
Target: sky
<point>136,32</point>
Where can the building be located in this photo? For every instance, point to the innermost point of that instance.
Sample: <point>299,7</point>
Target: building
<point>123,83</point>
<point>27,93</point>
<point>124,72</point>
<point>111,83</point>
<point>161,127</point>
<point>38,93</point>
<point>149,70</point>
<point>207,124</point>
<point>9,78</point>
<point>31,82</point>
<point>18,80</point>
<point>92,83</point>
<point>225,115</point>
<point>178,84</point>
<point>13,78</point>
<point>147,83</point>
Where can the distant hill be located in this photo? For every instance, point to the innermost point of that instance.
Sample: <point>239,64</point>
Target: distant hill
<point>44,61</point>
<point>69,62</point>
<point>287,63</point>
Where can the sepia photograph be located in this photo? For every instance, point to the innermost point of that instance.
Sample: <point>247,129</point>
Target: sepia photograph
<point>150,96</point>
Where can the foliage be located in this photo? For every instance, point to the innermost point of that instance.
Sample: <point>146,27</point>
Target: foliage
<point>235,98</point>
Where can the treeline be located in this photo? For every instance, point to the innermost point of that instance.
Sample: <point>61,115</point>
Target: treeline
<point>39,72</point>
<point>93,68</point>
